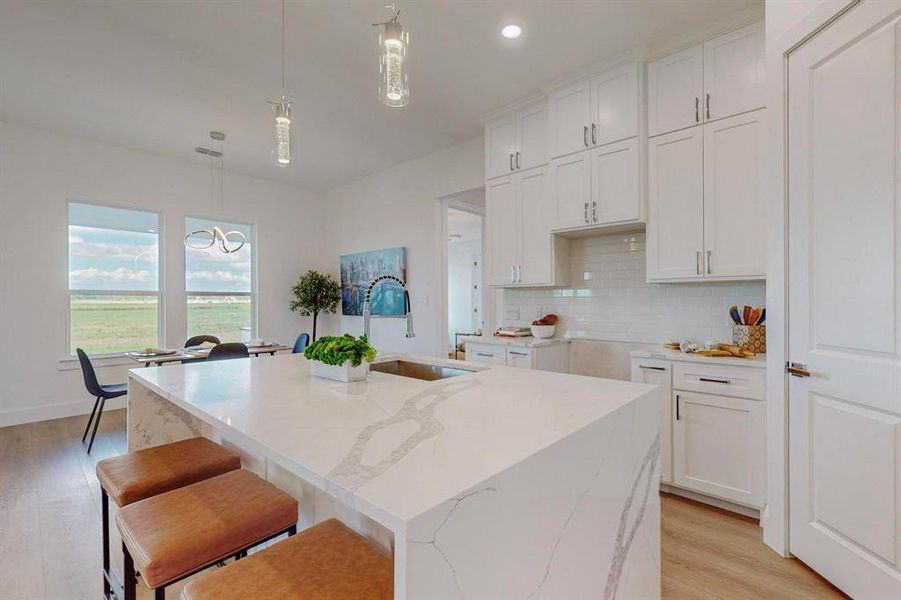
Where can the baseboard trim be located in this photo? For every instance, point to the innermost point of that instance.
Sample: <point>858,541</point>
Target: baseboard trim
<point>47,412</point>
<point>715,502</point>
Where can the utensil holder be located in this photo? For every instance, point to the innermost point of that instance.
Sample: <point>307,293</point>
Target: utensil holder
<point>750,337</point>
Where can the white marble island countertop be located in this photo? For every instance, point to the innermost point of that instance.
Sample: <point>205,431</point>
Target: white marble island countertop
<point>394,445</point>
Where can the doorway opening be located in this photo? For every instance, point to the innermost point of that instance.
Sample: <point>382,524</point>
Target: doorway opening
<point>465,307</point>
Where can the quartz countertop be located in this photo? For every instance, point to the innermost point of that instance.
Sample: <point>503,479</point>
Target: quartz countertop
<point>391,446</point>
<point>661,353</point>
<point>520,342</point>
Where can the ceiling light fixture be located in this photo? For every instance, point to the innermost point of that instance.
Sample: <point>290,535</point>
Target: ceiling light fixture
<point>511,32</point>
<point>394,87</point>
<point>201,239</point>
<point>283,112</point>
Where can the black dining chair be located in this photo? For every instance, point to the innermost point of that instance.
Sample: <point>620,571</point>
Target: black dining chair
<point>101,392</point>
<point>199,339</point>
<point>227,351</point>
<point>301,343</point>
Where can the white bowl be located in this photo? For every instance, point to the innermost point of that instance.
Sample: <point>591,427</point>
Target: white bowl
<point>543,331</point>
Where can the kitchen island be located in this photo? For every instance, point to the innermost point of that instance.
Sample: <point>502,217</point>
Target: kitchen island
<point>498,483</point>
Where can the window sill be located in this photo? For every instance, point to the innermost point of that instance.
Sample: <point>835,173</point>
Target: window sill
<point>70,363</point>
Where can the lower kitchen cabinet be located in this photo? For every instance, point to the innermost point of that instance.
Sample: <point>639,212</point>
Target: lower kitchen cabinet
<point>712,432</point>
<point>548,357</point>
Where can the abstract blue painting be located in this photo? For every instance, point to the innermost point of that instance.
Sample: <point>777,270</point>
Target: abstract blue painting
<point>357,270</point>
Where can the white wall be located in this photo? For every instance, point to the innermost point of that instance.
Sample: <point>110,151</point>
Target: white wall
<point>40,171</point>
<point>399,207</point>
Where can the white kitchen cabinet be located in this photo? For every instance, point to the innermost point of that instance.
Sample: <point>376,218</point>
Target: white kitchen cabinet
<point>616,183</point>
<point>718,79</point>
<point>502,229</point>
<point>594,111</point>
<point>718,446</point>
<point>675,233</point>
<point>516,141</point>
<point>522,250</point>
<point>735,231</point>
<point>571,190</point>
<point>675,90</point>
<point>734,73</point>
<point>660,373</point>
<point>552,356</point>
<point>712,433</point>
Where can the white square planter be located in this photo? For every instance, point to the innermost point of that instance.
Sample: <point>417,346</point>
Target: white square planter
<point>345,372</point>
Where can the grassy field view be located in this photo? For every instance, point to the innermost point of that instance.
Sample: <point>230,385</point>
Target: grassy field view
<point>119,324</point>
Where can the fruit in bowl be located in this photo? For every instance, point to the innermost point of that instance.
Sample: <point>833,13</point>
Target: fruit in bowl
<point>544,327</point>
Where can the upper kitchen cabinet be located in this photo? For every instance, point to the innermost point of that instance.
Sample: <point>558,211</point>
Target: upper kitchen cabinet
<point>718,79</point>
<point>516,141</point>
<point>594,111</point>
<point>675,89</point>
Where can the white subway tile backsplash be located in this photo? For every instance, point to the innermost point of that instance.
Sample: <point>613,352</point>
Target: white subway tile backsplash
<point>610,299</point>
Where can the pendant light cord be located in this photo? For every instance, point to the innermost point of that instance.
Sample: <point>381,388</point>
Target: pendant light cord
<point>284,71</point>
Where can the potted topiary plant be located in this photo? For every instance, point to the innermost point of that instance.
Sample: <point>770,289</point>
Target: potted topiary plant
<point>343,358</point>
<point>315,293</point>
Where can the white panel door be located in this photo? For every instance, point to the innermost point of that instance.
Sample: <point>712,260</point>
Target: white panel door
<point>735,226</point>
<point>500,147</point>
<point>571,193</point>
<point>532,132</point>
<point>569,118</point>
<point>502,230</point>
<point>675,88</point>
<point>734,73</point>
<point>845,309</point>
<point>676,205</point>
<point>615,184</point>
<point>718,446</point>
<point>659,372</point>
<point>614,105</point>
<point>536,208</point>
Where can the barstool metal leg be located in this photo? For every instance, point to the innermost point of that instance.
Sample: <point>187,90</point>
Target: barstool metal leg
<point>91,418</point>
<point>130,585</point>
<point>159,594</point>
<point>96,423</point>
<point>104,512</point>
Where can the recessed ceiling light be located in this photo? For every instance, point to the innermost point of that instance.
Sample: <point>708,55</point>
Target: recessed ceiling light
<point>511,32</point>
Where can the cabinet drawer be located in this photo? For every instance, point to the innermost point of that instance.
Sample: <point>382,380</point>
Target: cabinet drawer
<point>520,358</point>
<point>738,382</point>
<point>486,353</point>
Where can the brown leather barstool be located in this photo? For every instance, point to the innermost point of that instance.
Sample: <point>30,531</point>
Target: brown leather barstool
<point>328,561</point>
<point>173,535</point>
<point>139,475</point>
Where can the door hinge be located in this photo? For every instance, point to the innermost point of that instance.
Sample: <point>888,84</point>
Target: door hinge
<point>796,369</point>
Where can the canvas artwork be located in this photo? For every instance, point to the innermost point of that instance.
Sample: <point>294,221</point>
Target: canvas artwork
<point>357,270</point>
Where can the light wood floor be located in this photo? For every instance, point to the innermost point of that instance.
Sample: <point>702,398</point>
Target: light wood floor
<point>50,528</point>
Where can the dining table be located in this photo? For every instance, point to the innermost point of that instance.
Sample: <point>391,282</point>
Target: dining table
<point>189,354</point>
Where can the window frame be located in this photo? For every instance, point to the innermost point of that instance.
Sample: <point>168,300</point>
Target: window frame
<point>254,253</point>
<point>160,288</point>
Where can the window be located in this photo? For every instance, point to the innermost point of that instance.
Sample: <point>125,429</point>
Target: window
<point>114,293</point>
<point>219,285</point>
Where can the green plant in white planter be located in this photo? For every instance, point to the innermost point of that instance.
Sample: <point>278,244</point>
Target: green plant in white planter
<point>343,358</point>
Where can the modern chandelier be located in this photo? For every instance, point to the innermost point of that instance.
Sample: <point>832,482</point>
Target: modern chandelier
<point>201,239</point>
<point>283,112</point>
<point>394,87</point>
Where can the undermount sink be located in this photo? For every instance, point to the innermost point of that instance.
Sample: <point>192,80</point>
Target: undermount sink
<point>416,370</point>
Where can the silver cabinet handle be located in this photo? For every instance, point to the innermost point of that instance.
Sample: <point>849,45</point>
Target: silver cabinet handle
<point>585,135</point>
<point>485,354</point>
<point>518,353</point>
<point>709,254</point>
<point>650,368</point>
<point>594,211</point>
<point>594,133</point>
<point>511,161</point>
<point>512,274</point>
<point>708,106</point>
<point>678,412</point>
<point>698,262</point>
<point>709,380</point>
<point>697,110</point>
<point>517,159</point>
<point>585,213</point>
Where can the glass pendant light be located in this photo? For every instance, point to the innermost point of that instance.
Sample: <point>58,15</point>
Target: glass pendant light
<point>394,87</point>
<point>283,113</point>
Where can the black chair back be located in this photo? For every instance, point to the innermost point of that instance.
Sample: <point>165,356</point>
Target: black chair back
<point>303,340</point>
<point>199,339</point>
<point>229,350</point>
<point>87,370</point>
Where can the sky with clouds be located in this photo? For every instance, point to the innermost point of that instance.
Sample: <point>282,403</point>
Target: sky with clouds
<point>107,259</point>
